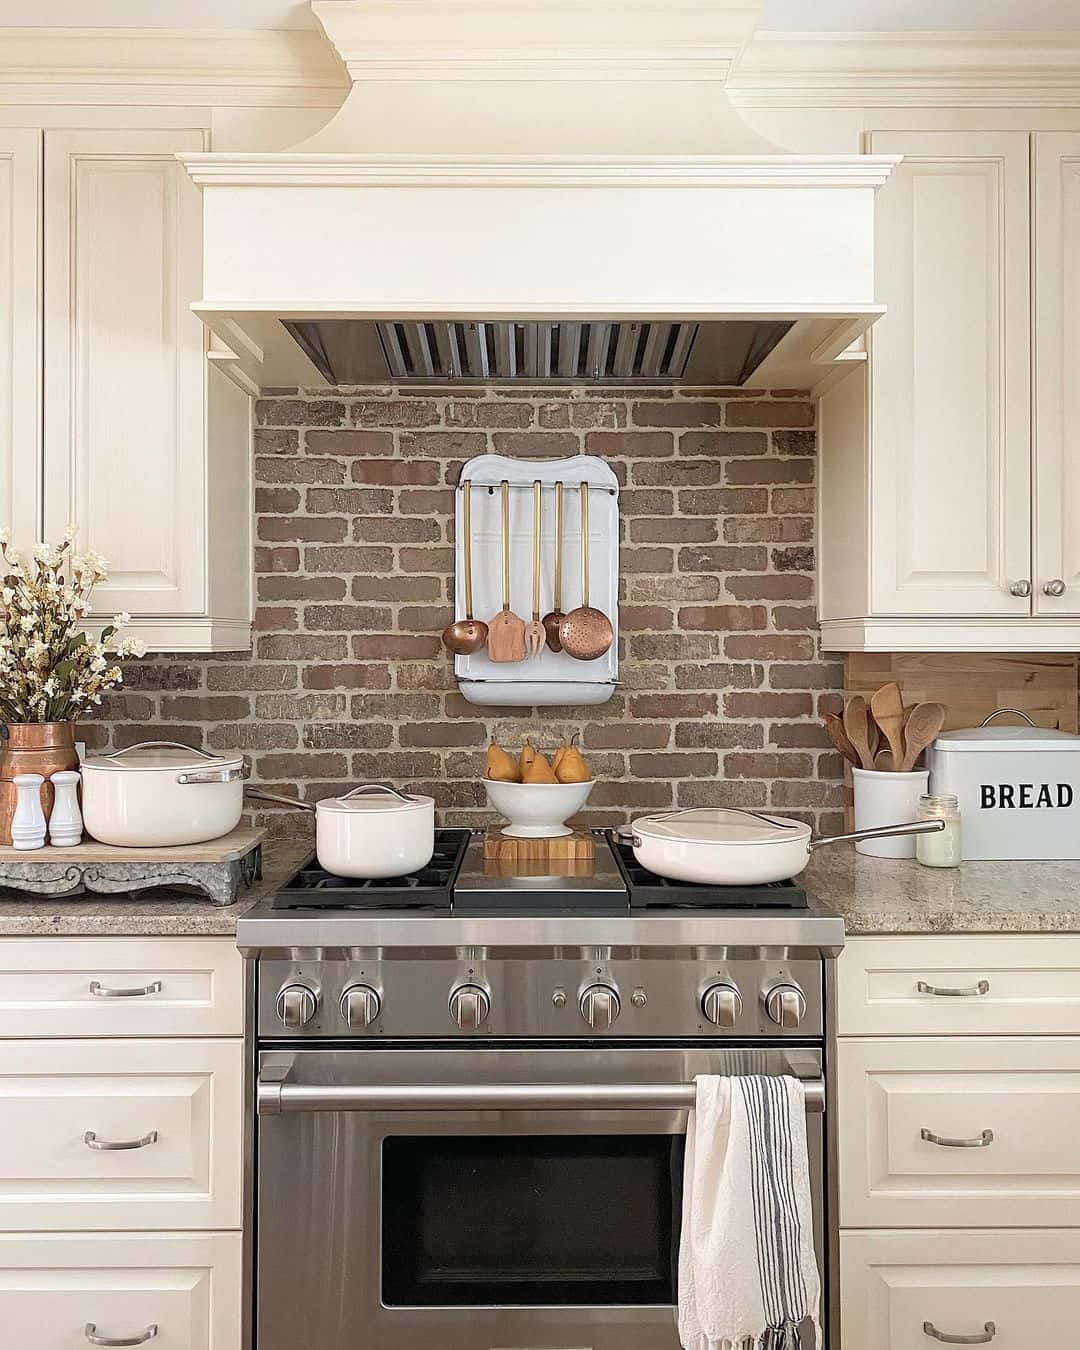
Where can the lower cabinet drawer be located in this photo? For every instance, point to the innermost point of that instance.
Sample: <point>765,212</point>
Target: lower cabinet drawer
<point>1015,1290</point>
<point>59,1292</point>
<point>944,1133</point>
<point>120,1135</point>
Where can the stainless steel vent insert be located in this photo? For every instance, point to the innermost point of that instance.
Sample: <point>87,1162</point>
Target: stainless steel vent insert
<point>595,350</point>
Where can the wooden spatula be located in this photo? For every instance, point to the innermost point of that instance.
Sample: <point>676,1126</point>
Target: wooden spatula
<point>887,705</point>
<point>921,730</point>
<point>857,726</point>
<point>840,739</point>
<point>506,632</point>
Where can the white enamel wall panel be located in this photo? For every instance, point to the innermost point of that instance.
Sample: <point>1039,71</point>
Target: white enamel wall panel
<point>1027,1284</point>
<point>187,1092</point>
<point>950,493</point>
<point>67,987</point>
<point>125,406</point>
<point>1024,1091</point>
<point>20,334</point>
<point>1057,371</point>
<point>1001,986</point>
<point>187,1285</point>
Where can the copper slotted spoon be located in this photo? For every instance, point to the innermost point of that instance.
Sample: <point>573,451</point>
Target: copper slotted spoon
<point>553,619</point>
<point>535,632</point>
<point>467,635</point>
<point>506,632</point>
<point>586,633</point>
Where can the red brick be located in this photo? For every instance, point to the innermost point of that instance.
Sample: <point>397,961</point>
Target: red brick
<point>768,647</point>
<point>395,647</point>
<point>301,647</point>
<point>743,764</point>
<point>721,793</point>
<point>793,559</point>
<point>421,503</point>
<point>395,413</point>
<point>760,704</point>
<point>770,414</point>
<point>724,502</point>
<point>350,501</point>
<point>443,444</point>
<point>626,736</point>
<point>251,675</point>
<point>699,765</point>
<point>299,471</point>
<point>806,675</point>
<point>277,560</point>
<point>347,735</point>
<point>677,414</point>
<point>682,474</point>
<point>348,558</point>
<point>636,617</point>
<point>349,443</point>
<point>388,589</point>
<point>790,617</point>
<point>646,560</point>
<point>793,501</point>
<point>672,705</point>
<point>722,558</point>
<point>717,675</point>
<point>673,531</point>
<point>426,560</point>
<point>633,444</point>
<point>443,733</point>
<point>265,441</point>
<point>751,471</point>
<point>411,473</point>
<point>396,530</point>
<point>323,529</point>
<point>715,618</point>
<point>533,444</point>
<point>277,499</point>
<point>294,412</point>
<point>488,414</point>
<point>646,502</point>
<point>346,677</point>
<point>346,618</point>
<point>794,442</point>
<point>716,444</point>
<point>769,587</point>
<point>719,735</point>
<point>299,765</point>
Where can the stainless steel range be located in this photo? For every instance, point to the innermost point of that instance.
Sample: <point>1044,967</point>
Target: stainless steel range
<point>472,1087</point>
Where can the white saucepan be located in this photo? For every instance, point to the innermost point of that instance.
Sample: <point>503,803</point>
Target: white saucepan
<point>373,832</point>
<point>725,846</point>
<point>159,794</point>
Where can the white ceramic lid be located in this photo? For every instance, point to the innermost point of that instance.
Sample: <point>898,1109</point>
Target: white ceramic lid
<point>372,802</point>
<point>159,758</point>
<point>721,825</point>
<point>1006,738</point>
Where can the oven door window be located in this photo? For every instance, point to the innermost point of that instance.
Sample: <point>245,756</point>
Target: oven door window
<point>530,1220</point>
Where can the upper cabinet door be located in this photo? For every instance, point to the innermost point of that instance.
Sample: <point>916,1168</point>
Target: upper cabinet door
<point>20,334</point>
<point>950,492</point>
<point>1057,373</point>
<point>125,365</point>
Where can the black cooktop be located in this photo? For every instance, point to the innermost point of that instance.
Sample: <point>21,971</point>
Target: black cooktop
<point>430,888</point>
<point>649,891</point>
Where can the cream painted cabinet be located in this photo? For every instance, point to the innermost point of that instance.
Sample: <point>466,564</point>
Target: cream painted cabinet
<point>20,334</point>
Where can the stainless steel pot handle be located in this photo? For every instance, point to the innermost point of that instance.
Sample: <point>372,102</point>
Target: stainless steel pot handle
<point>159,745</point>
<point>378,787</point>
<point>274,1098</point>
<point>276,797</point>
<point>882,832</point>
<point>217,775</point>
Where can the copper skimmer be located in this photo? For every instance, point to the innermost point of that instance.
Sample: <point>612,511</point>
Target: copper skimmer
<point>506,632</point>
<point>467,635</point>
<point>535,632</point>
<point>555,616</point>
<point>586,633</point>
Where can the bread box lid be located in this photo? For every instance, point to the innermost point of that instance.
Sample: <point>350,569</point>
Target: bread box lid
<point>998,739</point>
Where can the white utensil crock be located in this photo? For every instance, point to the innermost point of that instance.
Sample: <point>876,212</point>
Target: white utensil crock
<point>883,798</point>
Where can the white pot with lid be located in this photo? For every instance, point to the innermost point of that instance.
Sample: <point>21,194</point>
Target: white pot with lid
<point>373,832</point>
<point>160,794</point>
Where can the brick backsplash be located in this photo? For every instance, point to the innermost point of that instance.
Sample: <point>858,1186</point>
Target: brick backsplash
<point>722,685</point>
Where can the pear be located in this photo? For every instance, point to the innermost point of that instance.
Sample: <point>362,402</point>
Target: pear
<point>500,766</point>
<point>572,767</point>
<point>539,771</point>
<point>562,752</point>
<point>528,754</point>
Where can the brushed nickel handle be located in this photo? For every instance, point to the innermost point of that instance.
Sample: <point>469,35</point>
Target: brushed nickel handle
<point>91,1333</point>
<point>983,1337</point>
<point>91,1140</point>
<point>1055,588</point>
<point>939,991</point>
<point>98,990</point>
<point>1021,589</point>
<point>984,1140</point>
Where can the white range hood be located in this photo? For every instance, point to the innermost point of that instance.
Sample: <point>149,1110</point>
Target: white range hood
<point>537,190</point>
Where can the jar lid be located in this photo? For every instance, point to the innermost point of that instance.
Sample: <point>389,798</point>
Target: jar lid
<point>159,756</point>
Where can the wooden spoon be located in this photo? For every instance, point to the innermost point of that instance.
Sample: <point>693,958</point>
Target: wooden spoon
<point>535,632</point>
<point>840,739</point>
<point>506,632</point>
<point>887,705</point>
<point>585,633</point>
<point>555,616</point>
<point>857,726</point>
<point>467,635</point>
<point>883,761</point>
<point>923,726</point>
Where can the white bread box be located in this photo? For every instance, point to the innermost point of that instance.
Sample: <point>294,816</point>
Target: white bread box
<point>1018,787</point>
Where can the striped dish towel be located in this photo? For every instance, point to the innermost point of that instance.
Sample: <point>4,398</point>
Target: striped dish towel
<point>748,1277</point>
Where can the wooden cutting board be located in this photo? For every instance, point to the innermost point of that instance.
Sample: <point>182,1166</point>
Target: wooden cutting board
<point>577,847</point>
<point>230,847</point>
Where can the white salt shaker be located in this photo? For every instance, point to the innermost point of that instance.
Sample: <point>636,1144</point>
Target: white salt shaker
<point>28,822</point>
<point>65,821</point>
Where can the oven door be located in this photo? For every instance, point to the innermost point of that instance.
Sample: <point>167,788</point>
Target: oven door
<point>480,1199</point>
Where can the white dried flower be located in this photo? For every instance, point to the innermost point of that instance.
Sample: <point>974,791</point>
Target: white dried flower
<point>119,620</point>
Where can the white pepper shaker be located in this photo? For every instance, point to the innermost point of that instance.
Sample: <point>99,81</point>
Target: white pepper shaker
<point>28,822</point>
<point>65,820</point>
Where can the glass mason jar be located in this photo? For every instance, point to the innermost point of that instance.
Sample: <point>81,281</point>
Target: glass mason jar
<point>941,849</point>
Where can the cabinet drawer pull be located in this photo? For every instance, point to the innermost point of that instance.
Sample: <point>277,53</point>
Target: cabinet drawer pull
<point>91,1140</point>
<point>98,990</point>
<point>972,991</point>
<point>983,1141</point>
<point>983,1337</point>
<point>91,1333</point>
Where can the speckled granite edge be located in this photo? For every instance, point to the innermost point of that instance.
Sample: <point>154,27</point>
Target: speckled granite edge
<point>147,913</point>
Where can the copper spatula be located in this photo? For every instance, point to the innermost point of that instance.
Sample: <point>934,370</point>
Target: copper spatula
<point>506,632</point>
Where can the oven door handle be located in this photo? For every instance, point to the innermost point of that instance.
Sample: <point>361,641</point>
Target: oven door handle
<point>275,1097</point>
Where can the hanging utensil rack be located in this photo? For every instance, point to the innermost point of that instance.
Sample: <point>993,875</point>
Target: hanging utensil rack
<point>551,677</point>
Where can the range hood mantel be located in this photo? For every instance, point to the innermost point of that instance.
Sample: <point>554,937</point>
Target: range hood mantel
<point>479,173</point>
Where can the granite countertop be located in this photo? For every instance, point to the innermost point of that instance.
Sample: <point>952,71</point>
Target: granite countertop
<point>887,895</point>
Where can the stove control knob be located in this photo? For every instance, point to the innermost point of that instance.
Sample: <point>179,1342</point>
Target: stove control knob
<point>600,1006</point>
<point>721,1005</point>
<point>469,1007</point>
<point>360,1005</point>
<point>785,1004</point>
<point>297,1005</point>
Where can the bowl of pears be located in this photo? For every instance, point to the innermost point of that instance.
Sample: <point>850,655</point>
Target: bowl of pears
<point>537,795</point>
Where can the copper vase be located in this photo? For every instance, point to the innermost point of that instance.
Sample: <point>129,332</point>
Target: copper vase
<point>33,747</point>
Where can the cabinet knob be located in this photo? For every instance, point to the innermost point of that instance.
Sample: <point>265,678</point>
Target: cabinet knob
<point>1055,588</point>
<point>1021,589</point>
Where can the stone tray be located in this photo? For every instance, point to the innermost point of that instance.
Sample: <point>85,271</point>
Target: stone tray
<point>220,868</point>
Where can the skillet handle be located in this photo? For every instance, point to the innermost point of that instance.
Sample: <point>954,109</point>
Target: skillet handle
<point>882,832</point>
<point>278,798</point>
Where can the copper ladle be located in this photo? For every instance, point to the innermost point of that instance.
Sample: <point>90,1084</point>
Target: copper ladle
<point>467,635</point>
<point>585,633</point>
<point>553,620</point>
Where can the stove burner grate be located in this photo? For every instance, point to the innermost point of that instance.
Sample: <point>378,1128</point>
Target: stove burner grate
<point>647,890</point>
<point>430,888</point>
